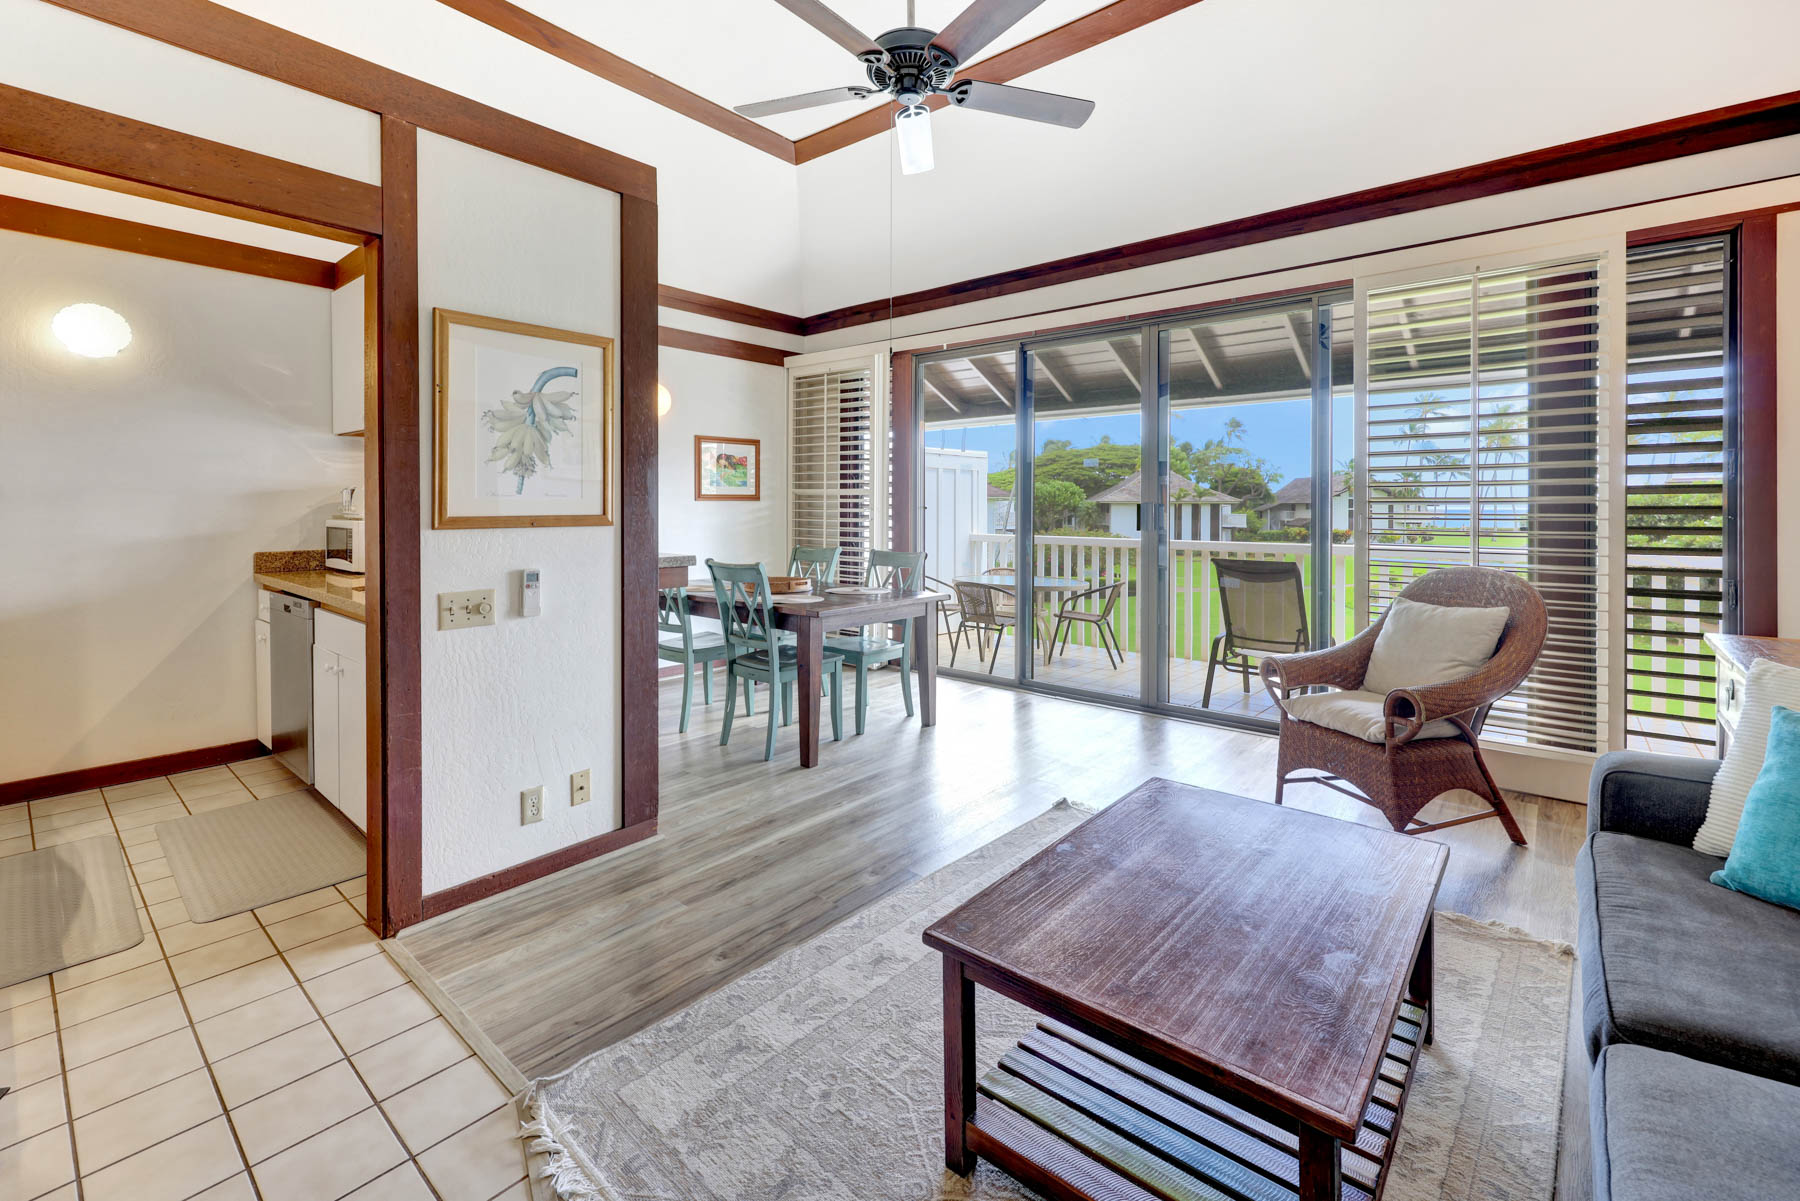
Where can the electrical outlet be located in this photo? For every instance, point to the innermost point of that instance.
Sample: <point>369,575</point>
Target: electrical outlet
<point>579,792</point>
<point>459,609</point>
<point>531,805</point>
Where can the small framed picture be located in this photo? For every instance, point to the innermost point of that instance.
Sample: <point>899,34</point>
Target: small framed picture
<point>727,468</point>
<point>524,419</point>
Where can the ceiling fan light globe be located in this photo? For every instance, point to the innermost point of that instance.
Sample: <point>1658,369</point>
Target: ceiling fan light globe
<point>912,134</point>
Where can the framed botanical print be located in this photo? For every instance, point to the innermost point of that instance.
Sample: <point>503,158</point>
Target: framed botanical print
<point>524,424</point>
<point>727,468</point>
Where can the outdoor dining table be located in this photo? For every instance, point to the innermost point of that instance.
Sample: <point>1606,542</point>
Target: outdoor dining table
<point>1044,589</point>
<point>810,619</point>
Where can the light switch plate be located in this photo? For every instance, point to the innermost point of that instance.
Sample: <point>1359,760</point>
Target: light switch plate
<point>531,805</point>
<point>459,609</point>
<point>579,791</point>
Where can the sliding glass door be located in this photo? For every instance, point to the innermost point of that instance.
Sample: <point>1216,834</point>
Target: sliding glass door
<point>1125,510</point>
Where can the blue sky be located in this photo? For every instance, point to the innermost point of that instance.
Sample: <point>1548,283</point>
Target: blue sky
<point>1279,432</point>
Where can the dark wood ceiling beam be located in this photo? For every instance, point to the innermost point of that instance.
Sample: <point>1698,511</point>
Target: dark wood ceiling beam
<point>728,310</point>
<point>687,339</point>
<point>230,37</point>
<point>1698,133</point>
<point>1103,25</point>
<point>552,39</point>
<point>114,233</point>
<point>61,133</point>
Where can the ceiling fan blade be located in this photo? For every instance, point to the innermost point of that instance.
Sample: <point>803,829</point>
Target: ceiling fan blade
<point>981,23</point>
<point>830,24</point>
<point>1008,101</point>
<point>793,104</point>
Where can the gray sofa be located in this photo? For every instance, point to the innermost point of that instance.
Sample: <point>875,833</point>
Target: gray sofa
<point>1690,1000</point>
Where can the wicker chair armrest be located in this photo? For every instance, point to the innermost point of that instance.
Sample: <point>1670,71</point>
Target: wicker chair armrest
<point>1340,666</point>
<point>1408,709</point>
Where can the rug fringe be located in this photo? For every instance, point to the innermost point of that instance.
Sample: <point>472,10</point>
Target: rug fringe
<point>1499,927</point>
<point>550,1160</point>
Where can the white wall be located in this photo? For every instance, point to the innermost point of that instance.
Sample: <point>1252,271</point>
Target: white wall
<point>722,397</point>
<point>134,490</point>
<point>526,701</point>
<point>1787,421</point>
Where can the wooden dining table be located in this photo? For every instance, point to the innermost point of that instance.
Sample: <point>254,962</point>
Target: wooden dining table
<point>811,619</point>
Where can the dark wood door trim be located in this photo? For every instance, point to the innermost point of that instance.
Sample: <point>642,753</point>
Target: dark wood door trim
<point>1083,33</point>
<point>231,37</point>
<point>44,128</point>
<point>114,233</point>
<point>577,51</point>
<point>687,339</point>
<point>638,371</point>
<point>395,678</point>
<point>728,310</point>
<point>1759,542</point>
<point>1715,129</point>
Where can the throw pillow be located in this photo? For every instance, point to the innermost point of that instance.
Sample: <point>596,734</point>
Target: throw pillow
<point>1765,857</point>
<point>1422,644</point>
<point>1770,684</point>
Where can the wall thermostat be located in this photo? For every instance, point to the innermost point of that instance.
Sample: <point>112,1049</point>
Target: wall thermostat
<point>531,600</point>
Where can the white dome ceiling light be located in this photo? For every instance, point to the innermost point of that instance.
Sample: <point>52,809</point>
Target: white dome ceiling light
<point>92,331</point>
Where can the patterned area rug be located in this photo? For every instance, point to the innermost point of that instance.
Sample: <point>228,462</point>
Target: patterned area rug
<point>818,1076</point>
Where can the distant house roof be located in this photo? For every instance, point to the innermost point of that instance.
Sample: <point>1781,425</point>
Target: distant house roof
<point>995,491</point>
<point>1129,491</point>
<point>1298,491</point>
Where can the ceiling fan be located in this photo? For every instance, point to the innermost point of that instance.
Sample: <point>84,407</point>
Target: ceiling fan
<point>911,64</point>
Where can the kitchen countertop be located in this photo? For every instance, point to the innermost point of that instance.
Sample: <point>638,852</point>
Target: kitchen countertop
<point>336,591</point>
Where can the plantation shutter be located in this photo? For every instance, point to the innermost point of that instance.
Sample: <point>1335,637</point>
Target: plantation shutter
<point>1486,443</point>
<point>835,472</point>
<point>1678,559</point>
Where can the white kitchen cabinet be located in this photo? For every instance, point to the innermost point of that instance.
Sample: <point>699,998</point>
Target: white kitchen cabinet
<point>265,696</point>
<point>340,725</point>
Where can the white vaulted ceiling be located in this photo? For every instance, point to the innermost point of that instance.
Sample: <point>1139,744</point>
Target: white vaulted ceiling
<point>740,51</point>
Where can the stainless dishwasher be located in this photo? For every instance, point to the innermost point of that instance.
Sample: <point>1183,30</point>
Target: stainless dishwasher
<point>290,683</point>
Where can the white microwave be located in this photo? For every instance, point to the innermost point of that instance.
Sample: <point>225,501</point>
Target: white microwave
<point>346,548</point>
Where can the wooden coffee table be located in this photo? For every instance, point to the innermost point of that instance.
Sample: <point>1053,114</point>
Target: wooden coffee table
<point>1236,994</point>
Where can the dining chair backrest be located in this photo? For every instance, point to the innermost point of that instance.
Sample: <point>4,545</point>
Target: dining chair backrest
<point>817,563</point>
<point>979,602</point>
<point>1264,602</point>
<point>899,570</point>
<point>672,615</point>
<point>750,628</point>
<point>1109,596</point>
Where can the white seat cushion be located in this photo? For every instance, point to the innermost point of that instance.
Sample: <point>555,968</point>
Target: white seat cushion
<point>1356,713</point>
<point>1422,644</point>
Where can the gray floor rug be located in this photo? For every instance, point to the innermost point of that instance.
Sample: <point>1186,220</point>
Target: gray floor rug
<point>817,1077</point>
<point>246,856</point>
<point>65,905</point>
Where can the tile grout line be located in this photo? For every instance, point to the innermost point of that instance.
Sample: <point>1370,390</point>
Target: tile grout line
<point>333,1034</point>
<point>62,1063</point>
<point>193,1030</point>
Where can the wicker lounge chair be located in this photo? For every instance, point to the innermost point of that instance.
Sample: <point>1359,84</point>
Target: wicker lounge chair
<point>1404,772</point>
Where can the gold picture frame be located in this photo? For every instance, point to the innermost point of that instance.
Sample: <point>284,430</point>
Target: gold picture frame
<point>486,442</point>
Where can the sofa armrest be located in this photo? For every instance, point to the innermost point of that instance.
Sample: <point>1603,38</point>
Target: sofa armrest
<point>1655,796</point>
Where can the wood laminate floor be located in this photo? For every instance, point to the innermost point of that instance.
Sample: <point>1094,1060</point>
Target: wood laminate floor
<point>754,858</point>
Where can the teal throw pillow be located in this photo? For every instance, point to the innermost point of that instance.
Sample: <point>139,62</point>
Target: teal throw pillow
<point>1765,855</point>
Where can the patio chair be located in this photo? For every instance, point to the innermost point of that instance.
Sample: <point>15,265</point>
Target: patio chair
<point>693,651</point>
<point>946,610</point>
<point>1412,744</point>
<point>746,611</point>
<point>1264,603</point>
<point>982,611</point>
<point>871,646</point>
<point>1073,612</point>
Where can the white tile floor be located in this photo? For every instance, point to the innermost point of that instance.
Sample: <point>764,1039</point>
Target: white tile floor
<point>278,1054</point>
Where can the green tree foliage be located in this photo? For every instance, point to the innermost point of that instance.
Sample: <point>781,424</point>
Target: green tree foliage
<point>1056,504</point>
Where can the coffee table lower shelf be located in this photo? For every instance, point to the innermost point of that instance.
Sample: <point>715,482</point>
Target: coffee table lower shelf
<point>1074,1117</point>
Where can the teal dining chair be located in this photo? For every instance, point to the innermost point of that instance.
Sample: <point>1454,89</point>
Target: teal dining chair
<point>817,563</point>
<point>676,642</point>
<point>898,570</point>
<point>746,612</point>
